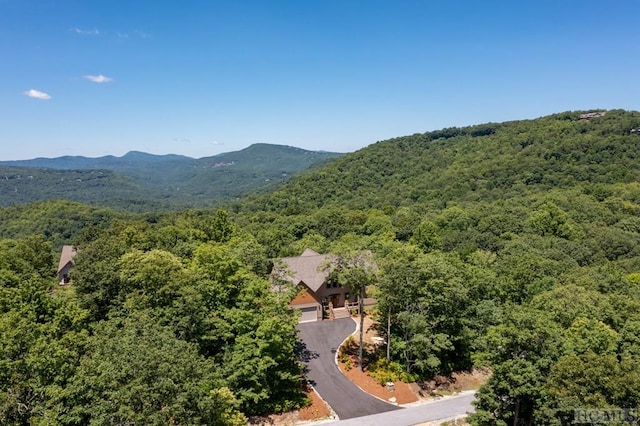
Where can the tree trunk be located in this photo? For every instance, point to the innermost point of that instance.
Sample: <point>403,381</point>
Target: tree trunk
<point>516,412</point>
<point>389,335</point>
<point>361,309</point>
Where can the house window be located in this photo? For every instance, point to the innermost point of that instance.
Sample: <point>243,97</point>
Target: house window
<point>332,284</point>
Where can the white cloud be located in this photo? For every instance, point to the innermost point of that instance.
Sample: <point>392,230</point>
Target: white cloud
<point>137,34</point>
<point>142,34</point>
<point>36,94</point>
<point>217,143</point>
<point>98,78</point>
<point>85,32</point>
<point>181,140</point>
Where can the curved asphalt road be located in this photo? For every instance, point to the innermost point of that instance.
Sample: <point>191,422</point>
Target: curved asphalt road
<point>320,342</point>
<point>446,408</point>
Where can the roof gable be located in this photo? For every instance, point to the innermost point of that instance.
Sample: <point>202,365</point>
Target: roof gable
<point>304,296</point>
<point>308,252</point>
<point>66,257</point>
<point>308,268</point>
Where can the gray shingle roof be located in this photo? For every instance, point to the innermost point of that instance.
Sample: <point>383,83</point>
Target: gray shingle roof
<point>67,255</point>
<point>307,268</point>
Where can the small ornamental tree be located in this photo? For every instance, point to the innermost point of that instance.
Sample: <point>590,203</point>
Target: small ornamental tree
<point>355,270</point>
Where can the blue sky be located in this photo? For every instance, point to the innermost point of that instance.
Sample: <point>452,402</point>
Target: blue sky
<point>86,77</point>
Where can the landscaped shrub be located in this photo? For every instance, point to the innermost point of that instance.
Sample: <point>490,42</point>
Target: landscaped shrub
<point>347,350</point>
<point>383,372</point>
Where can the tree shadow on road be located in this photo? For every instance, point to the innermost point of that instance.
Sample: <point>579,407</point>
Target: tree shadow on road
<point>304,354</point>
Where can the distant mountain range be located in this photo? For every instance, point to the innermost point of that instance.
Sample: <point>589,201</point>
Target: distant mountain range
<point>108,162</point>
<point>140,181</point>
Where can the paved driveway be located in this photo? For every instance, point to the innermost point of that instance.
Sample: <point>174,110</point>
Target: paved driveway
<point>321,340</point>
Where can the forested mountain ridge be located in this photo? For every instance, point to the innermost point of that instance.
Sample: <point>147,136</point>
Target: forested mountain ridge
<point>107,162</point>
<point>258,158</point>
<point>483,162</point>
<point>144,182</point>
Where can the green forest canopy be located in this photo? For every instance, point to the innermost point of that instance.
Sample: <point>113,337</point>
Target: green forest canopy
<point>513,246</point>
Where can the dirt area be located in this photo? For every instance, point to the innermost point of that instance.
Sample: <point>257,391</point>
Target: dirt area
<point>400,393</point>
<point>317,410</point>
<point>457,382</point>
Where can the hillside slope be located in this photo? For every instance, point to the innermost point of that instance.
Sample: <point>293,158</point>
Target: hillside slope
<point>139,181</point>
<point>484,162</point>
<point>19,185</point>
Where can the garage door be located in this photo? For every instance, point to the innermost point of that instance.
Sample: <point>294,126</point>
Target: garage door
<point>309,314</point>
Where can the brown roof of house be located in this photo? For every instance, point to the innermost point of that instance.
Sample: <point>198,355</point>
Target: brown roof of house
<point>67,255</point>
<point>307,268</point>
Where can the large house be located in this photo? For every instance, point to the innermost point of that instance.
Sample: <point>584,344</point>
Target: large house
<point>66,263</point>
<point>309,272</point>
